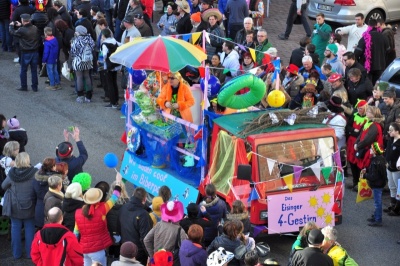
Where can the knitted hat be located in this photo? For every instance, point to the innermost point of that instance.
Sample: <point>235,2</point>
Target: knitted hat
<point>13,123</point>
<point>84,179</point>
<point>333,48</point>
<point>172,211</point>
<point>128,250</point>
<point>196,17</point>
<point>315,237</point>
<point>162,258</point>
<point>383,86</point>
<point>64,150</point>
<point>390,93</point>
<point>74,191</point>
<point>81,30</point>
<point>93,196</point>
<point>156,205</point>
<point>377,148</point>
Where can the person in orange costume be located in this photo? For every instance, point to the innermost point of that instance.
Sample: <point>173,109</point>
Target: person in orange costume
<point>176,97</point>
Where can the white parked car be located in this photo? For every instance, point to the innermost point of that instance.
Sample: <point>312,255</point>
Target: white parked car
<point>344,11</point>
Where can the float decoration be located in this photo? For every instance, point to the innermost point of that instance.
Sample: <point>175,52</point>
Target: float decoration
<point>227,97</point>
<point>265,120</point>
<point>276,98</point>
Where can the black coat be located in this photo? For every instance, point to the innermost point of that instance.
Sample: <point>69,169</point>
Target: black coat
<point>379,48</point>
<point>134,222</point>
<point>20,136</point>
<point>40,20</point>
<point>120,9</point>
<point>22,9</point>
<point>184,25</point>
<point>355,65</point>
<point>311,256</point>
<point>376,173</point>
<point>69,207</point>
<point>392,154</point>
<point>204,220</point>
<point>360,90</point>
<point>65,16</point>
<point>297,56</point>
<point>28,37</point>
<point>88,25</point>
<point>5,10</point>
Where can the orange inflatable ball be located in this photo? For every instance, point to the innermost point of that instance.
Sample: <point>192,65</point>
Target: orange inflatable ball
<point>276,98</point>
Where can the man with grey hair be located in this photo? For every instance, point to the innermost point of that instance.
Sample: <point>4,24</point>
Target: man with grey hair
<point>263,45</point>
<point>308,66</point>
<point>333,249</point>
<point>247,27</point>
<point>29,45</point>
<point>54,196</point>
<point>54,244</point>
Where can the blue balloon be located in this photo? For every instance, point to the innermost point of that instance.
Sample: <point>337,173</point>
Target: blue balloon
<point>213,86</point>
<point>124,109</point>
<point>139,76</point>
<point>111,160</point>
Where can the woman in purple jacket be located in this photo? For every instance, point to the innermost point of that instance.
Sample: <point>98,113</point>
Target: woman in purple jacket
<point>191,252</point>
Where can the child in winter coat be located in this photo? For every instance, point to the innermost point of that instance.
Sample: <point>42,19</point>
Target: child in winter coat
<point>50,58</point>
<point>17,133</point>
<point>376,177</point>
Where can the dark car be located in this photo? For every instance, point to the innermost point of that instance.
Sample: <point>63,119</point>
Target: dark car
<point>391,75</point>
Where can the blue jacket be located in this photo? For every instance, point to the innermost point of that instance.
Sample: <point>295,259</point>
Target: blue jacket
<point>236,11</point>
<point>217,210</point>
<point>75,164</point>
<point>222,6</point>
<point>50,52</point>
<point>191,255</point>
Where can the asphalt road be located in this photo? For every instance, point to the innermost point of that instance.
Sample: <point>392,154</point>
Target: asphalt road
<point>46,113</point>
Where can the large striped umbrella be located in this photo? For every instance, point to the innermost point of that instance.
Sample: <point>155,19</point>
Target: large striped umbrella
<point>158,53</point>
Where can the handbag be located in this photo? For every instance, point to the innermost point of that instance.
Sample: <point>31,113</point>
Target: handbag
<point>262,249</point>
<point>364,191</point>
<point>239,252</point>
<point>43,71</point>
<point>175,252</point>
<point>66,71</point>
<point>6,201</point>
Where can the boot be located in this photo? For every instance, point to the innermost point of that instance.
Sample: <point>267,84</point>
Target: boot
<point>396,209</point>
<point>392,204</point>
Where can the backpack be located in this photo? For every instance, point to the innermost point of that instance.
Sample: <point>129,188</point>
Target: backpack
<point>111,49</point>
<point>87,55</point>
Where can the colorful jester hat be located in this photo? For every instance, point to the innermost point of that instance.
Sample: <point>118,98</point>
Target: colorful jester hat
<point>40,4</point>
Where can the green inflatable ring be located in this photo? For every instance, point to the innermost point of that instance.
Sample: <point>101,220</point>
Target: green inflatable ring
<point>227,97</point>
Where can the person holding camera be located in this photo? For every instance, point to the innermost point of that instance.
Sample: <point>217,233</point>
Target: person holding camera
<point>64,152</point>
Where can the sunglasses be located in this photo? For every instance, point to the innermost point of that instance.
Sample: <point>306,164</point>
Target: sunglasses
<point>171,78</point>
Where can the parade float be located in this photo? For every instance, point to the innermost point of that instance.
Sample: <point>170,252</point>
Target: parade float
<point>284,165</point>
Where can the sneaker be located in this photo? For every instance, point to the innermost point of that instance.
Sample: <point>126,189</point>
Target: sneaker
<point>371,219</point>
<point>16,59</point>
<point>282,36</point>
<point>108,106</point>
<point>113,106</point>
<point>58,87</point>
<point>87,100</point>
<point>375,224</point>
<point>52,88</point>
<point>47,81</point>
<point>80,99</point>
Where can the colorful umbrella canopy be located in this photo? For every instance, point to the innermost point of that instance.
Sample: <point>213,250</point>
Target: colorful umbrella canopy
<point>158,53</point>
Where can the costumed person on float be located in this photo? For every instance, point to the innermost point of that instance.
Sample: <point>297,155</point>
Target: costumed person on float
<point>176,98</point>
<point>353,128</point>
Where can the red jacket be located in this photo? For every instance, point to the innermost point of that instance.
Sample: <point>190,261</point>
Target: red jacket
<point>56,245</point>
<point>94,233</point>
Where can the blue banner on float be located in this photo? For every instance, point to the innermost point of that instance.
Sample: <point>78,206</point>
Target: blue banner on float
<point>141,174</point>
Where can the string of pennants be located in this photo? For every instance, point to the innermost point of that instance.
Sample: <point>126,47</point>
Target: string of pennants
<point>297,170</point>
<point>193,38</point>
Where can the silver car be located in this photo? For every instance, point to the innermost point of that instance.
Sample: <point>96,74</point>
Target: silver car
<point>344,11</point>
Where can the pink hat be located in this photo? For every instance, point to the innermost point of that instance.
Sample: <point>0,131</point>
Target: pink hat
<point>172,211</point>
<point>13,123</point>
